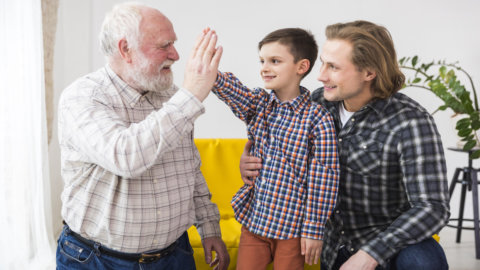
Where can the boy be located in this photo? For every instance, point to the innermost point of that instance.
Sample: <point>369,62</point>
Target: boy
<point>283,213</point>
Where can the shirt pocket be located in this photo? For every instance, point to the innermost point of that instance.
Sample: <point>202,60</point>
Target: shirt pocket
<point>364,156</point>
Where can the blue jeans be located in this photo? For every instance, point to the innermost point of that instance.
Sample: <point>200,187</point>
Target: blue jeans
<point>74,254</point>
<point>426,255</point>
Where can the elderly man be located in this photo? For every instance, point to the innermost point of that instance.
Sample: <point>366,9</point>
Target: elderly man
<point>130,167</point>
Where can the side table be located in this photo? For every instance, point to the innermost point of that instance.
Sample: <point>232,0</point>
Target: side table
<point>469,180</point>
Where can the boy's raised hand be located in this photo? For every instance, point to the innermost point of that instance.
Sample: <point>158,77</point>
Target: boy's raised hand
<point>202,66</point>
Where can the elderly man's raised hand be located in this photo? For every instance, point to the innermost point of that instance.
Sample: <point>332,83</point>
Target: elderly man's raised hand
<point>202,66</point>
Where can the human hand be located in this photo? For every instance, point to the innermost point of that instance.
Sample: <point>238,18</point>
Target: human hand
<point>222,259</point>
<point>249,165</point>
<point>202,66</point>
<point>311,249</point>
<point>360,261</point>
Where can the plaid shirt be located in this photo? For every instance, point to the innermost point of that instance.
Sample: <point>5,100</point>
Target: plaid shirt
<point>130,167</point>
<point>296,190</point>
<point>393,183</point>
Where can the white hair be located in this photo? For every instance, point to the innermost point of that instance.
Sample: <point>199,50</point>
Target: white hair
<point>123,21</point>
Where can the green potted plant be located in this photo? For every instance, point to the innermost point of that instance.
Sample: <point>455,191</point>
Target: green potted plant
<point>440,78</point>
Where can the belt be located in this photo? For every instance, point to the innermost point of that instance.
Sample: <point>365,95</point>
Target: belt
<point>140,257</point>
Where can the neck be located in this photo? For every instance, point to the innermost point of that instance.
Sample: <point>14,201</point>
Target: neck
<point>120,69</point>
<point>288,94</point>
<point>357,102</point>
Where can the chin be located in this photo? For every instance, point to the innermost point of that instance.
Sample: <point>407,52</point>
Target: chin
<point>330,96</point>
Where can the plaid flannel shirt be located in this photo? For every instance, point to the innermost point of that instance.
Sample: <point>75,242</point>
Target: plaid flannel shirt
<point>393,184</point>
<point>296,190</point>
<point>130,166</point>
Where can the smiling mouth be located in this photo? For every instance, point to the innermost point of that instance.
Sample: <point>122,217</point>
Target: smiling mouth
<point>329,87</point>
<point>268,78</point>
<point>166,68</point>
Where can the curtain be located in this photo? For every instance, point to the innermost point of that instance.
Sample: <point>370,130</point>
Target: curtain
<point>26,237</point>
<point>49,19</point>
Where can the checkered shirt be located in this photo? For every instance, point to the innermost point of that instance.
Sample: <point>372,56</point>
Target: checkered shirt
<point>130,167</point>
<point>297,187</point>
<point>393,183</point>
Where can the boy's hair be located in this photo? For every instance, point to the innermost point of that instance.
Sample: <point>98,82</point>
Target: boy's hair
<point>301,43</point>
<point>372,48</point>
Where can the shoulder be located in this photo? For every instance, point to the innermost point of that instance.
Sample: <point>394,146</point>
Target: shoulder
<point>318,111</point>
<point>406,108</point>
<point>407,118</point>
<point>95,84</point>
<point>317,96</point>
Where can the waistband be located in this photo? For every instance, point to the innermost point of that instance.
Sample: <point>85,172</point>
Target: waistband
<point>147,257</point>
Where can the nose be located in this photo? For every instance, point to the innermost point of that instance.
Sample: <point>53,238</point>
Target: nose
<point>322,76</point>
<point>173,54</point>
<point>264,67</point>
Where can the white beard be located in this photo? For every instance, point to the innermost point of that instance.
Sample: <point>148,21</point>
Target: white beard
<point>156,82</point>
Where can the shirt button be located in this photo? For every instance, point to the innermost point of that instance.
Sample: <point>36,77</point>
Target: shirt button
<point>339,139</point>
<point>352,249</point>
<point>154,180</point>
<point>364,146</point>
<point>159,212</point>
<point>338,211</point>
<point>155,242</point>
<point>353,119</point>
<point>342,232</point>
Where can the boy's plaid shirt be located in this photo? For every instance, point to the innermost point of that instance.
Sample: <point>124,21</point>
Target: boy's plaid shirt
<point>296,190</point>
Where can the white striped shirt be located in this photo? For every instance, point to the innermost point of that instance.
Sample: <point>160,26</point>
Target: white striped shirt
<point>129,164</point>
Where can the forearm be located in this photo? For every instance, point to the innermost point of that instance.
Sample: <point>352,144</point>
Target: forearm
<point>207,216</point>
<point>323,180</point>
<point>101,136</point>
<point>424,178</point>
<point>241,100</point>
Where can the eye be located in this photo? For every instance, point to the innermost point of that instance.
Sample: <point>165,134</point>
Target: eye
<point>275,61</point>
<point>166,46</point>
<point>262,61</point>
<point>332,67</point>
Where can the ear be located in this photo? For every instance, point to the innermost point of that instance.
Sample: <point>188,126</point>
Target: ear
<point>124,50</point>
<point>303,66</point>
<point>370,74</point>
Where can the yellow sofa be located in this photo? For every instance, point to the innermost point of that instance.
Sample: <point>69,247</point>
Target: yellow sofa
<point>220,166</point>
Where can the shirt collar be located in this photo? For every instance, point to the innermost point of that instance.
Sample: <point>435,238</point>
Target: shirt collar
<point>379,105</point>
<point>127,93</point>
<point>296,105</point>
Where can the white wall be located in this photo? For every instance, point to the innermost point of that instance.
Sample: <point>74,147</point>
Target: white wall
<point>432,29</point>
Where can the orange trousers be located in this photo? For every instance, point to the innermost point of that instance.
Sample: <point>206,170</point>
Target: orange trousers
<point>256,252</point>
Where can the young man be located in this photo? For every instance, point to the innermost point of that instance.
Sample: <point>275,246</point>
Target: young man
<point>132,176</point>
<point>283,214</point>
<point>393,193</point>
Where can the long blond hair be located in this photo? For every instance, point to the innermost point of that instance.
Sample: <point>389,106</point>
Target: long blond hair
<point>372,48</point>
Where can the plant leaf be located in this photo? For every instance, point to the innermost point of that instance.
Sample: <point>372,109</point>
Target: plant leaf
<point>475,154</point>
<point>469,145</point>
<point>475,124</point>
<point>464,132</point>
<point>414,60</point>
<point>470,137</point>
<point>463,124</point>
